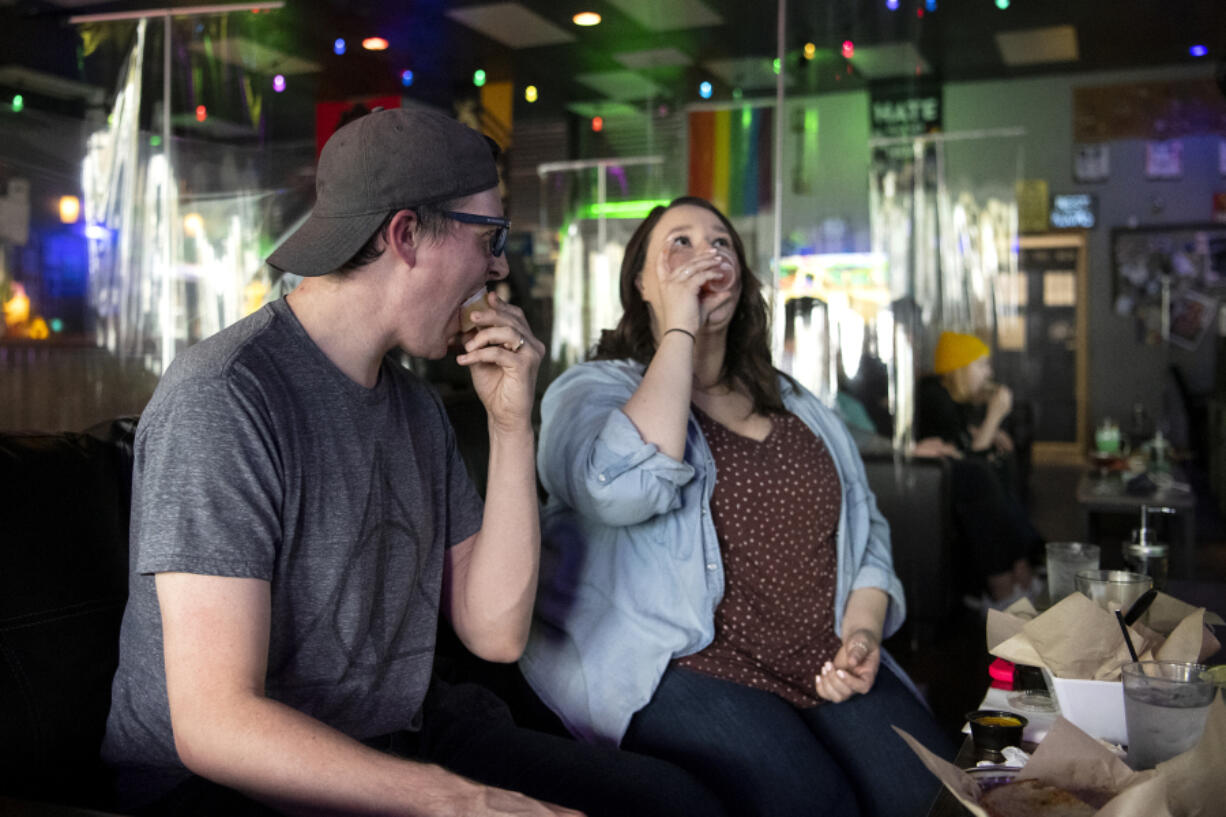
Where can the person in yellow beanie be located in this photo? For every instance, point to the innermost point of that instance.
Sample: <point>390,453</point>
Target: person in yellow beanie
<point>961,405</point>
<point>964,372</point>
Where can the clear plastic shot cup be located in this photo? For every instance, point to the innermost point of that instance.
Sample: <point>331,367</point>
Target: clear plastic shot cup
<point>1064,561</point>
<point>472,304</point>
<point>679,254</point>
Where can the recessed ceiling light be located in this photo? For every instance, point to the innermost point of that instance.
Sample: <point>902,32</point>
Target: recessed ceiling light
<point>374,44</point>
<point>586,18</point>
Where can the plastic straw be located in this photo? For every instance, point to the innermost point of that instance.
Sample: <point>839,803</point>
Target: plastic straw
<point>1127,638</point>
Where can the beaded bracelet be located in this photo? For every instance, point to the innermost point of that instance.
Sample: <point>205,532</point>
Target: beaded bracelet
<point>682,331</point>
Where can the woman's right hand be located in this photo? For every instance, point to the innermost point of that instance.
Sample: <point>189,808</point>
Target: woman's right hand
<point>683,304</point>
<point>1000,402</point>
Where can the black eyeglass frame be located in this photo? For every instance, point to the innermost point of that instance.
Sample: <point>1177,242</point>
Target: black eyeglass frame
<point>499,240</point>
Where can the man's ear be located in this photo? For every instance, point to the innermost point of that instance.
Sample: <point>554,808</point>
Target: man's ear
<point>403,236</point>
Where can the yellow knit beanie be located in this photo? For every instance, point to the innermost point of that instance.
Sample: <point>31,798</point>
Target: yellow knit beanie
<point>955,350</point>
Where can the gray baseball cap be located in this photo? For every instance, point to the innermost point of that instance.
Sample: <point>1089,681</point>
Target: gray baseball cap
<point>388,160</point>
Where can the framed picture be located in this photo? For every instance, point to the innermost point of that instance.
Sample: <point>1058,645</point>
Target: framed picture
<point>1164,160</point>
<point>1191,315</point>
<point>1188,257</point>
<point>1091,163</point>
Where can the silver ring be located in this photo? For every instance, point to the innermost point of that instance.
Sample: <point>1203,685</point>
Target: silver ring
<point>521,343</point>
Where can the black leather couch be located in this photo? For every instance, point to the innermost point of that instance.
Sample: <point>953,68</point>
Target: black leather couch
<point>914,497</point>
<point>63,584</point>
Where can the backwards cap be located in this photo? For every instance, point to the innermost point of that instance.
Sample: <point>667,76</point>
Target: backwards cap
<point>388,160</point>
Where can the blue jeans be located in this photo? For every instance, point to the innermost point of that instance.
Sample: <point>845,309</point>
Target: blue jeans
<point>765,757</point>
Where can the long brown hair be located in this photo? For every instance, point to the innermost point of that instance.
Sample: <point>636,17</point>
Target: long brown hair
<point>747,359</point>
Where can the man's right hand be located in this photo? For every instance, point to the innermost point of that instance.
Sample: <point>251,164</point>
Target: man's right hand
<point>487,801</point>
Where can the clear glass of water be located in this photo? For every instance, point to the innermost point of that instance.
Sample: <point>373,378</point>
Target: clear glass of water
<point>1166,704</point>
<point>1064,560</point>
<point>1112,589</point>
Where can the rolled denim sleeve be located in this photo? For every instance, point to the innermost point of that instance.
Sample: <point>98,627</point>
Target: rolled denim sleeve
<point>876,568</point>
<point>592,456</point>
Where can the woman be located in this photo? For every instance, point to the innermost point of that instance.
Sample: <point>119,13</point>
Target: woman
<point>718,579</point>
<point>960,405</point>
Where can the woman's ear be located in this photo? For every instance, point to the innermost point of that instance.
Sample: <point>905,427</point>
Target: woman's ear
<point>638,283</point>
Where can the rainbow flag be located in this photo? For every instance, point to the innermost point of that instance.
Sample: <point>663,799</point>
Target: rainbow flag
<point>730,158</point>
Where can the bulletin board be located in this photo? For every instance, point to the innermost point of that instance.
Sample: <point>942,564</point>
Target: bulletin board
<point>1189,258</point>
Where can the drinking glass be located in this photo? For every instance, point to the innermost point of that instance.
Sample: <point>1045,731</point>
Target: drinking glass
<point>1064,560</point>
<point>1112,589</point>
<point>1166,704</point>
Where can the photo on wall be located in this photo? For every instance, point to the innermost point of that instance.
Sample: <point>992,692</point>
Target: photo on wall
<point>1164,160</point>
<point>1192,313</point>
<point>1091,163</point>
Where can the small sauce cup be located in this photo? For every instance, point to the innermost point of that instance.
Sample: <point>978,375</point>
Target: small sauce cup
<point>994,729</point>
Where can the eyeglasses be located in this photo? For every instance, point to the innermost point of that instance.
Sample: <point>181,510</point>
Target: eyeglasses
<point>499,240</point>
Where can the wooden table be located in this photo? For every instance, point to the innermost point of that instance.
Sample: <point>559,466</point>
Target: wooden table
<point>1106,495</point>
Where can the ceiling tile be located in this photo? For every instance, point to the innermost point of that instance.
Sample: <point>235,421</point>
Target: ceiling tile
<point>511,24</point>
<point>889,60</point>
<point>621,85</point>
<point>654,58</point>
<point>30,79</point>
<point>607,110</point>
<point>254,56</point>
<point>672,15</point>
<point>746,73</point>
<point>1035,46</point>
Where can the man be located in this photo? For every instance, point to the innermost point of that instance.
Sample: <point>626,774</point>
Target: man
<point>300,513</point>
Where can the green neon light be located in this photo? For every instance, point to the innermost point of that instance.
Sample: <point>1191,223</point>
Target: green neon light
<point>18,103</point>
<point>621,209</point>
<point>478,78</point>
<point>775,64</point>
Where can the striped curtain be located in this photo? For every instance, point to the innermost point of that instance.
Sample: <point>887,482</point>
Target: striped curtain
<point>730,158</point>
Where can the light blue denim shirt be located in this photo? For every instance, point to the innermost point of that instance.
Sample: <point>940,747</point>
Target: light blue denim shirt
<point>631,570</point>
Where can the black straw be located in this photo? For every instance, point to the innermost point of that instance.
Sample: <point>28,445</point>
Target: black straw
<point>1127,638</point>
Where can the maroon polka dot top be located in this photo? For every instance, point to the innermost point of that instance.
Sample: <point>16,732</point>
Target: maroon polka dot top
<point>776,511</point>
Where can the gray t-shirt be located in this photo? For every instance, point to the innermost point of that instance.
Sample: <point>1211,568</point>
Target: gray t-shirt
<point>258,458</point>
